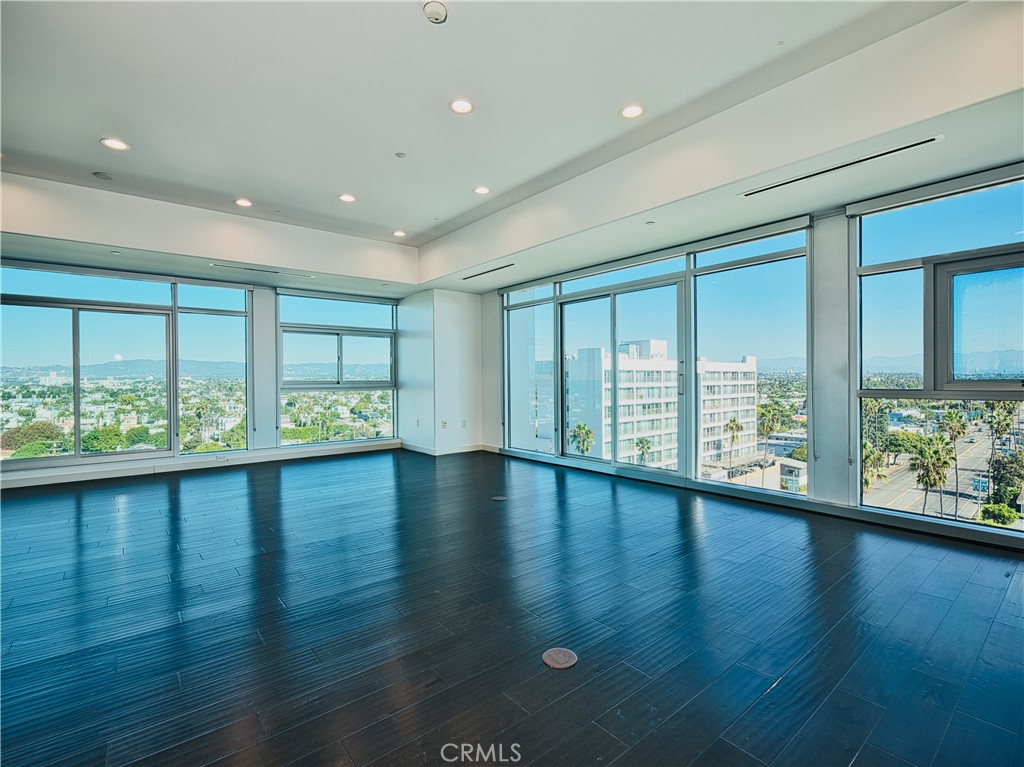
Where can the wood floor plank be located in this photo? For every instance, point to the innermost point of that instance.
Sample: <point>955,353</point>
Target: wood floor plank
<point>372,608</point>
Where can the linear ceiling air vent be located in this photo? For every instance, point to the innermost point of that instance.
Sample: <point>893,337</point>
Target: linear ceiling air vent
<point>264,271</point>
<point>850,164</point>
<point>495,269</point>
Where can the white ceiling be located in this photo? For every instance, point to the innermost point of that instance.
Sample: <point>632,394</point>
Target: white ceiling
<point>290,104</point>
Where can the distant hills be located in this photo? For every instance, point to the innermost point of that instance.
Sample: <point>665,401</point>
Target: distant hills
<point>986,363</point>
<point>189,369</point>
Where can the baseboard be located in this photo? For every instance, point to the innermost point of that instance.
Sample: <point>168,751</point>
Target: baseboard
<point>14,478</point>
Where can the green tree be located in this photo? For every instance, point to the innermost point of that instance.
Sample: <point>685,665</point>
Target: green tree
<point>999,421</point>
<point>999,513</point>
<point>235,437</point>
<point>104,439</point>
<point>33,450</point>
<point>769,421</point>
<point>39,431</point>
<point>954,426</point>
<point>643,447</point>
<point>735,428</point>
<point>930,464</point>
<point>1007,474</point>
<point>875,423</point>
<point>798,453</point>
<point>137,436</point>
<point>872,461</point>
<point>582,438</point>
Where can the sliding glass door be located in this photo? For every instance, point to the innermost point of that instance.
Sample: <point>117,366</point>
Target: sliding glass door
<point>587,378</point>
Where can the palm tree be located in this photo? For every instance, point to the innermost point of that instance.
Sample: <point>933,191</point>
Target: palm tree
<point>871,463</point>
<point>643,447</point>
<point>582,438</point>
<point>735,428</point>
<point>954,426</point>
<point>1000,421</point>
<point>931,462</point>
<point>769,422</point>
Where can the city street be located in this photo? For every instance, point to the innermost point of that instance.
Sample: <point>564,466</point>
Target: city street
<point>900,491</point>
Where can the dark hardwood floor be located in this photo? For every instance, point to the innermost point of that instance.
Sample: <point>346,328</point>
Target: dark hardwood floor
<point>373,608</point>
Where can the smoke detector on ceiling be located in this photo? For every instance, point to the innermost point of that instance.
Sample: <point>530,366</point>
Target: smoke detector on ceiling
<point>435,11</point>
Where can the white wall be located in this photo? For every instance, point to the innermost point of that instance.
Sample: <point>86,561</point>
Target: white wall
<point>414,355</point>
<point>457,371</point>
<point>439,372</point>
<point>263,418</point>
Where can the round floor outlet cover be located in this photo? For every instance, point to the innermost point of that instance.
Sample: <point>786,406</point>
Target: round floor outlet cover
<point>559,657</point>
<point>498,498</point>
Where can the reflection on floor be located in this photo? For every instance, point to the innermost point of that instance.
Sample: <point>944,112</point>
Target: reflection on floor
<point>374,608</point>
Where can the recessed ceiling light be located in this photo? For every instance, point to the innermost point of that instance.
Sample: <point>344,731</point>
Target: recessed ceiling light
<point>241,202</point>
<point>347,197</point>
<point>115,143</point>
<point>103,176</point>
<point>115,253</point>
<point>398,233</point>
<point>648,222</point>
<point>461,106</point>
<point>482,190</point>
<point>631,111</point>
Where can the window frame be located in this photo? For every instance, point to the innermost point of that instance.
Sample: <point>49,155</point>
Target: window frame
<point>943,273</point>
<point>171,311</point>
<point>338,383</point>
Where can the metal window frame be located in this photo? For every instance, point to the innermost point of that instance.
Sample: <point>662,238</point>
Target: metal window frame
<point>250,413</point>
<point>688,417</point>
<point>339,331</point>
<point>942,276</point>
<point>339,383</point>
<point>171,311</point>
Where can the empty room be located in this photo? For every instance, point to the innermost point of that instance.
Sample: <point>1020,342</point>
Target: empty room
<point>512,383</point>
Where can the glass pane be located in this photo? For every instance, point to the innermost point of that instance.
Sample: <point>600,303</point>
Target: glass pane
<point>317,416</point>
<point>954,459</point>
<point>212,350</point>
<point>124,382</point>
<point>366,358</point>
<point>324,311</point>
<point>648,421</point>
<point>993,216</point>
<point>892,330</point>
<point>761,247</point>
<point>86,287</point>
<point>530,294</point>
<point>206,297</point>
<point>531,382</point>
<point>310,357</point>
<point>628,274</point>
<point>37,407</point>
<point>988,325</point>
<point>752,375</point>
<point>587,370</point>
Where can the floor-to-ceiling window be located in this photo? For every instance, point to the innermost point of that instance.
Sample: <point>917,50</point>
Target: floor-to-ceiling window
<point>941,355</point>
<point>531,377</point>
<point>647,361</point>
<point>337,369</point>
<point>587,378</point>
<point>85,366</point>
<point>213,344</point>
<point>750,310</point>
<point>693,362</point>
